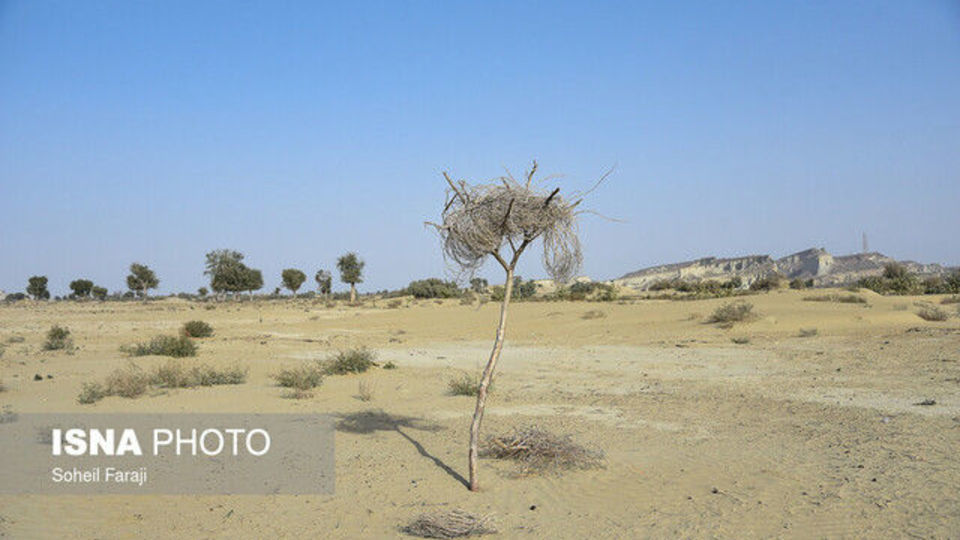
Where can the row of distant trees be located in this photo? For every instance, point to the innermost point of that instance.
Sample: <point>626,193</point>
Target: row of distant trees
<point>227,273</point>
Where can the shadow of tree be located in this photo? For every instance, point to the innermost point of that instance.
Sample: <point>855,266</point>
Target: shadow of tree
<point>367,422</point>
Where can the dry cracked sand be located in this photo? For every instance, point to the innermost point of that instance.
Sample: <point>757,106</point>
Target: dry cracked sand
<point>783,436</point>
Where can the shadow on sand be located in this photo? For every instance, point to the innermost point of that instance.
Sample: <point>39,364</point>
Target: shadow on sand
<point>367,422</point>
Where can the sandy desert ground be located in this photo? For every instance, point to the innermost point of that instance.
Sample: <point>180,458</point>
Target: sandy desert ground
<point>785,436</point>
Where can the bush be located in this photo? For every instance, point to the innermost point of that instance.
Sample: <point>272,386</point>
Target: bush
<point>454,523</point>
<point>465,385</point>
<point>740,340</point>
<point>177,347</point>
<point>175,374</point>
<point>808,332</point>
<point>536,450</point>
<point>91,393</point>
<point>799,284</point>
<point>301,378</point>
<point>58,338</point>
<point>14,297</point>
<point>929,312</point>
<point>433,288</point>
<point>128,382</point>
<point>593,314</point>
<point>767,283</point>
<point>389,365</point>
<point>732,312</point>
<point>843,299</point>
<point>350,361</point>
<point>197,329</point>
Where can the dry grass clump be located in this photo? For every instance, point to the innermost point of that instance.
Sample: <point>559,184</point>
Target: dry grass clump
<point>808,332</point>
<point>955,299</point>
<point>131,381</point>
<point>16,339</point>
<point>536,450</point>
<point>390,365</point>
<point>732,312</point>
<point>448,524</point>
<point>351,361</point>
<point>740,340</point>
<point>301,378</point>
<point>58,338</point>
<point>197,329</point>
<point>176,347</point>
<point>834,297</point>
<point>465,385</point>
<point>593,314</point>
<point>929,312</point>
<point>365,391</point>
<point>175,374</point>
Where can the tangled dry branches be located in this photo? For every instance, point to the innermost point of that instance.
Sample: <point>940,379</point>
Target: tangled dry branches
<point>537,450</point>
<point>479,219</point>
<point>448,524</point>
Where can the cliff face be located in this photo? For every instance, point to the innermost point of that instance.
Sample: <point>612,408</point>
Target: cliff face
<point>816,264</point>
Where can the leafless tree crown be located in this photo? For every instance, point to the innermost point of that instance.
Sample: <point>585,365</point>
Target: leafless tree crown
<point>479,220</point>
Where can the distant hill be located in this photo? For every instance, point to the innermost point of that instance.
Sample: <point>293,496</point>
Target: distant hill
<point>823,268</point>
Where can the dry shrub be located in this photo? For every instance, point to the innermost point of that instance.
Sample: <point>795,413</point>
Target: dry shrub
<point>536,450</point>
<point>175,374</point>
<point>197,329</point>
<point>593,314</point>
<point>465,385</point>
<point>301,378</point>
<point>394,304</point>
<point>930,312</point>
<point>128,382</point>
<point>365,391</point>
<point>740,340</point>
<point>91,393</point>
<point>808,332</point>
<point>297,393</point>
<point>390,365</point>
<point>58,338</point>
<point>448,524</point>
<point>951,300</point>
<point>732,312</point>
<point>16,339</point>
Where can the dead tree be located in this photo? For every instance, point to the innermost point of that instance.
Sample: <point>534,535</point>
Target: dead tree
<point>501,219</point>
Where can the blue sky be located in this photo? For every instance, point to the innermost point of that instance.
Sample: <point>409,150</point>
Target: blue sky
<point>295,131</point>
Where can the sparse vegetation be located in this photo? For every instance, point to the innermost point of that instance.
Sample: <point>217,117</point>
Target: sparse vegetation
<point>896,279</point>
<point>350,361</point>
<point>16,339</point>
<point>740,340</point>
<point>177,347</point>
<point>390,365</point>
<point>131,381</point>
<point>593,314</point>
<point>448,524</point>
<point>303,378</point>
<point>58,338</point>
<point>732,313</point>
<point>929,312</point>
<point>464,385</point>
<point>767,283</point>
<point>808,332</point>
<point>834,297</point>
<point>197,329</point>
<point>365,391</point>
<point>537,450</point>
<point>799,284</point>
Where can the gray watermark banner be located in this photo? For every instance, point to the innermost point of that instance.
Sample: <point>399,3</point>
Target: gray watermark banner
<point>166,454</point>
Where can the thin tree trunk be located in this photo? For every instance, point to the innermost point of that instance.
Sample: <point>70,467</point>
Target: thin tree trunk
<point>485,382</point>
<point>353,293</point>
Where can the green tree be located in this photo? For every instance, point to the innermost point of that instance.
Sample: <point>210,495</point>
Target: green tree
<point>202,292</point>
<point>37,288</point>
<point>81,287</point>
<point>227,272</point>
<point>100,293</point>
<point>324,282</point>
<point>293,279</point>
<point>252,280</point>
<point>351,271</point>
<point>478,285</point>
<point>141,279</point>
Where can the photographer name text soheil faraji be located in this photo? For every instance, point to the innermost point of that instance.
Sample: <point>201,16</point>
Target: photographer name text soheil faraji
<point>99,474</point>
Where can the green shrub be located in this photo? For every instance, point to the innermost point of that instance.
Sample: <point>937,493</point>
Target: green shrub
<point>799,284</point>
<point>434,288</point>
<point>833,297</point>
<point>197,329</point>
<point>767,283</point>
<point>350,361</point>
<point>389,365</point>
<point>58,338</point>
<point>732,312</point>
<point>301,378</point>
<point>177,347</point>
<point>465,385</point>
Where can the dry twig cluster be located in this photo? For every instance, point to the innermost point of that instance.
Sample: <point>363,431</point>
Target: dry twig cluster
<point>537,450</point>
<point>448,524</point>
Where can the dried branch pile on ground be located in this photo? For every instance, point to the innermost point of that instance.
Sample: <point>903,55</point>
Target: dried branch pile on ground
<point>536,451</point>
<point>448,524</point>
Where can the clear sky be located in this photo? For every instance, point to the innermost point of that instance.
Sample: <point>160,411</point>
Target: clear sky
<point>295,131</point>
